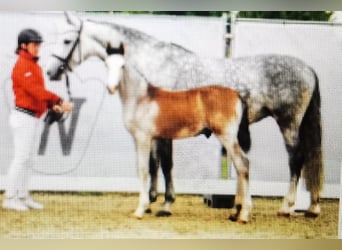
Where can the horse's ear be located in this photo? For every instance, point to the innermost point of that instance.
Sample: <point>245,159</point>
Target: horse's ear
<point>72,19</point>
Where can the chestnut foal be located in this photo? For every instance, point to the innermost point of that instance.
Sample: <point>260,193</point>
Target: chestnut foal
<point>151,113</point>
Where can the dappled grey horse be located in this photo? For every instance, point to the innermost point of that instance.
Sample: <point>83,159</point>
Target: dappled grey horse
<point>279,86</point>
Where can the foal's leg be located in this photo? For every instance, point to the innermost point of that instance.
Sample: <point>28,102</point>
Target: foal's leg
<point>161,153</point>
<point>143,148</point>
<point>243,200</point>
<point>164,150</point>
<point>153,167</point>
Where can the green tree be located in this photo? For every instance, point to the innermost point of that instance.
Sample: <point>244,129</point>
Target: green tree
<point>289,15</point>
<point>180,13</point>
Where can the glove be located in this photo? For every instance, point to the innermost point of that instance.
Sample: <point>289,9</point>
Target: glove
<point>53,116</point>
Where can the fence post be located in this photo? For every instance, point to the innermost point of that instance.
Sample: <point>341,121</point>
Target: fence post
<point>340,213</point>
<point>233,15</point>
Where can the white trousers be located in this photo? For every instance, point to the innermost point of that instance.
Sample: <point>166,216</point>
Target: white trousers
<point>24,128</point>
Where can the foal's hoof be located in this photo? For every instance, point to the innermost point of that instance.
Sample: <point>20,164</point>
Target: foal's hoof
<point>153,197</point>
<point>134,216</point>
<point>148,211</point>
<point>162,213</point>
<point>138,215</point>
<point>240,221</point>
<point>236,218</point>
<point>233,217</point>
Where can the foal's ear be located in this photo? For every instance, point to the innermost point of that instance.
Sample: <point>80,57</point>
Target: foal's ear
<point>72,19</point>
<point>122,49</point>
<point>118,51</point>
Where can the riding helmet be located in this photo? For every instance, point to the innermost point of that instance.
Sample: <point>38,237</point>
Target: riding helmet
<point>29,36</point>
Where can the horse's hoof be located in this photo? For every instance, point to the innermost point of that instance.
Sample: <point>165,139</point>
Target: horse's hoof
<point>309,214</point>
<point>283,214</point>
<point>313,212</point>
<point>163,213</point>
<point>170,198</point>
<point>148,211</point>
<point>153,199</point>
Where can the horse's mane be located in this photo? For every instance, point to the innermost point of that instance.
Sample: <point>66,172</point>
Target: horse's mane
<point>181,47</point>
<point>136,35</point>
<point>127,31</point>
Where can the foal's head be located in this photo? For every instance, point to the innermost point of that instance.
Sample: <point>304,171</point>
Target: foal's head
<point>115,64</point>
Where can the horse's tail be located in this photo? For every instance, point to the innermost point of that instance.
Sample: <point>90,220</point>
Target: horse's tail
<point>244,136</point>
<point>310,142</point>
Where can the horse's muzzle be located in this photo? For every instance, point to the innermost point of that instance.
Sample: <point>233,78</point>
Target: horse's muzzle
<point>58,74</point>
<point>54,77</point>
<point>111,90</point>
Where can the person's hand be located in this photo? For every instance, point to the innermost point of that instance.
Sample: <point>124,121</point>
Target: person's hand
<point>65,106</point>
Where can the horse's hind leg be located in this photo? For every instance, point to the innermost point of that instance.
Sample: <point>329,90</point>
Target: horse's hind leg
<point>296,160</point>
<point>164,150</point>
<point>299,152</point>
<point>295,163</point>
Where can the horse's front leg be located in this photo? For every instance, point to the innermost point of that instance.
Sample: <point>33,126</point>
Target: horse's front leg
<point>243,199</point>
<point>143,147</point>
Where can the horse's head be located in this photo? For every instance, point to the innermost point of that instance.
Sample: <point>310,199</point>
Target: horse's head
<point>67,50</point>
<point>115,64</point>
<point>79,40</point>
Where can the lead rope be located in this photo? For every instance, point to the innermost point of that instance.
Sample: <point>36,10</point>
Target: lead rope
<point>67,84</point>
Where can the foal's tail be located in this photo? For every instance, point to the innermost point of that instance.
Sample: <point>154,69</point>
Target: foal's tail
<point>310,143</point>
<point>244,137</point>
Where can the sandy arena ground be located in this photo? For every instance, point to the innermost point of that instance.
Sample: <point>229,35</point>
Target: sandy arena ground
<point>109,215</point>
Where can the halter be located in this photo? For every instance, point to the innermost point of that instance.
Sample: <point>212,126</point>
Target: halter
<point>66,60</point>
<point>65,65</point>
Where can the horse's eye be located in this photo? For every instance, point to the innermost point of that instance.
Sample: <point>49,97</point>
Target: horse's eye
<point>67,42</point>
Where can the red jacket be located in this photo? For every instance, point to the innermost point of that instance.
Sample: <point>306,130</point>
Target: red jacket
<point>28,85</point>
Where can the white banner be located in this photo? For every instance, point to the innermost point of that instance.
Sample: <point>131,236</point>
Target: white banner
<point>93,150</point>
<point>93,142</point>
<point>320,46</point>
